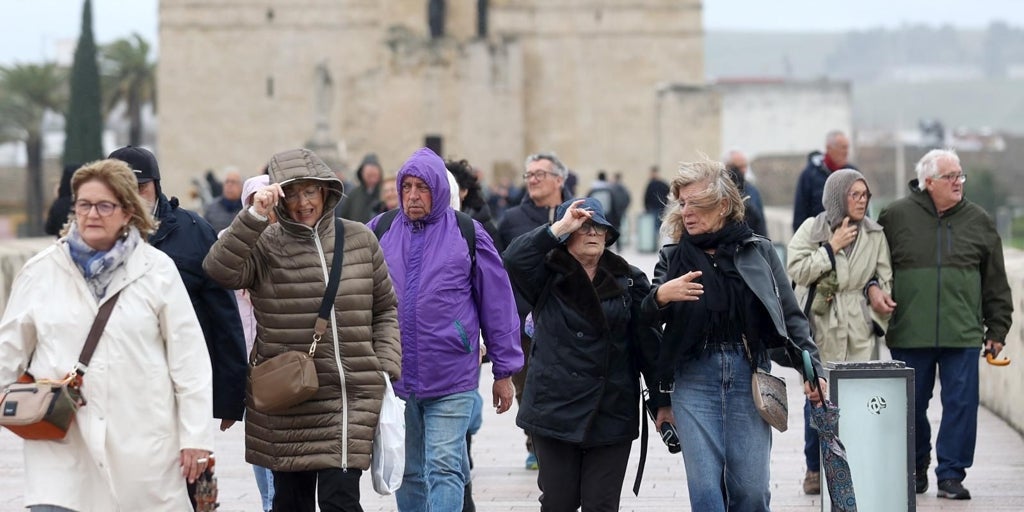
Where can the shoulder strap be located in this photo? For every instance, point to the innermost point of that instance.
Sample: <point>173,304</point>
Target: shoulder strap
<point>327,306</point>
<point>468,231</point>
<point>94,334</point>
<point>384,224</point>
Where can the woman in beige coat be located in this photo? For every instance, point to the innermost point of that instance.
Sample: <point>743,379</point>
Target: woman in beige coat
<point>321,446</point>
<point>145,426</point>
<point>843,253</point>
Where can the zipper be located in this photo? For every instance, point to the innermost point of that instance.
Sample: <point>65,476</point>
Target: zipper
<point>938,278</point>
<point>337,355</point>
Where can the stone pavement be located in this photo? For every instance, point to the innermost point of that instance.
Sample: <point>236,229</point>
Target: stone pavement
<point>500,482</point>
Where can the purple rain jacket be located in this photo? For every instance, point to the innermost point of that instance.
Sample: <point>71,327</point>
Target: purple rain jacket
<point>441,307</point>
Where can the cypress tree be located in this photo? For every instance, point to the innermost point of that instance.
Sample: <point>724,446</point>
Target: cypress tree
<point>84,121</point>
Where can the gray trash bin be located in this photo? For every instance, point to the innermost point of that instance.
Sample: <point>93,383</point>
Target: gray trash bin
<point>876,424</point>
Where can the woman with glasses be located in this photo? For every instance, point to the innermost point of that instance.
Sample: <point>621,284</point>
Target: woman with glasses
<point>581,402</point>
<point>724,298</point>
<point>144,427</point>
<point>319,448</point>
<point>841,253</point>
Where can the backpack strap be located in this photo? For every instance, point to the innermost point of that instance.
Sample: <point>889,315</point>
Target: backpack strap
<point>384,224</point>
<point>468,231</point>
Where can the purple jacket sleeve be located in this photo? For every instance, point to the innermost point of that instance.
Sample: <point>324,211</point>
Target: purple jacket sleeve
<point>496,306</point>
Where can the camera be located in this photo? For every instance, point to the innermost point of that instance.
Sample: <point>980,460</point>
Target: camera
<point>670,437</point>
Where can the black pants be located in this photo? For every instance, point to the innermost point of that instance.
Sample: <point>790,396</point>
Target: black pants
<point>337,490</point>
<point>571,476</point>
<point>519,380</point>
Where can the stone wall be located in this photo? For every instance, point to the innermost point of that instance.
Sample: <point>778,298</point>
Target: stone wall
<point>578,77</point>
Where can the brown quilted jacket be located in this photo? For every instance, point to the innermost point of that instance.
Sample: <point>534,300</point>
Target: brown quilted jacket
<point>285,267</point>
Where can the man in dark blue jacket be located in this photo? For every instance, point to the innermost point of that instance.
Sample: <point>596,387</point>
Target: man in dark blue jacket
<point>807,202</point>
<point>186,238</point>
<point>545,186</point>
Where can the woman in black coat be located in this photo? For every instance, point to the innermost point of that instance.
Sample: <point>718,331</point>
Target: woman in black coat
<point>580,402</point>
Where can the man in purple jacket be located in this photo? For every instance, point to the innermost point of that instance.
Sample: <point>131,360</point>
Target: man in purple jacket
<point>444,302</point>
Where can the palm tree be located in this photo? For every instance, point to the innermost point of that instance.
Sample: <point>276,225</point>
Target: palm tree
<point>128,76</point>
<point>27,92</point>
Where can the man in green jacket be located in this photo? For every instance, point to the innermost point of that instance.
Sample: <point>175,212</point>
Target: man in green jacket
<point>953,296</point>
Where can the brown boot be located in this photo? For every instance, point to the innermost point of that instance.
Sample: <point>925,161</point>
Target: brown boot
<point>812,482</point>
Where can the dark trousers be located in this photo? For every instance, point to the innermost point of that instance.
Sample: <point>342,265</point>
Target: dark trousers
<point>335,490</point>
<point>519,380</point>
<point>571,476</point>
<point>812,446</point>
<point>958,429</point>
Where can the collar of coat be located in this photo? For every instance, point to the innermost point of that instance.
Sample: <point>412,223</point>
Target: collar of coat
<point>573,286</point>
<point>820,231</point>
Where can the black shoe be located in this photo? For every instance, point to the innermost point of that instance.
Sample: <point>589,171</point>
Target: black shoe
<point>921,481</point>
<point>953,489</point>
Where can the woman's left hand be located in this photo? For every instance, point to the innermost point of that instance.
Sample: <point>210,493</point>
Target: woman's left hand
<point>193,463</point>
<point>816,395</point>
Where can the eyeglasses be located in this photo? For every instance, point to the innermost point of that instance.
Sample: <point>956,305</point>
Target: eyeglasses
<point>957,177</point>
<point>103,208</point>
<point>308,194</point>
<point>590,227</point>
<point>527,176</point>
<point>857,196</point>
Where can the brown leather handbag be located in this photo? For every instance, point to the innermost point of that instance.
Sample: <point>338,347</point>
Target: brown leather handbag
<point>44,409</point>
<point>290,378</point>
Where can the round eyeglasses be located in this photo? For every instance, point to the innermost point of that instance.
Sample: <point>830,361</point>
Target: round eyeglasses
<point>103,208</point>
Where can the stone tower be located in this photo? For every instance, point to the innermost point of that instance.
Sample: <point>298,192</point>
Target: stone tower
<point>494,80</point>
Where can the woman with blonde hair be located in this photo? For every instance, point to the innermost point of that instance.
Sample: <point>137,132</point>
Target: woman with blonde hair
<point>144,427</point>
<point>724,299</point>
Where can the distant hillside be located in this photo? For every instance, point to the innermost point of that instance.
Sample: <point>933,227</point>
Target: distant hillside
<point>972,78</point>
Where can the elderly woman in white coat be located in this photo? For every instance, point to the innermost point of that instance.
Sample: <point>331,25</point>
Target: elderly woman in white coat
<point>844,255</point>
<point>144,429</point>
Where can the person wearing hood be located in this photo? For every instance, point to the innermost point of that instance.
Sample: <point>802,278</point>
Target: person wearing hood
<point>446,300</point>
<point>589,349</point>
<point>186,237</point>
<point>839,252</point>
<point>320,447</point>
<point>545,176</point>
<point>807,199</point>
<point>361,202</point>
<point>61,208</point>
<point>954,301</point>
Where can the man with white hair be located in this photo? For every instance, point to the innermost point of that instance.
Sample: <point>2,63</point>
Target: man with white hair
<point>953,299</point>
<point>223,209</point>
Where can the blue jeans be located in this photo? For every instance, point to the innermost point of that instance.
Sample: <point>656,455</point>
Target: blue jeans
<point>436,461</point>
<point>958,429</point>
<point>265,483</point>
<point>726,444</point>
<point>812,445</point>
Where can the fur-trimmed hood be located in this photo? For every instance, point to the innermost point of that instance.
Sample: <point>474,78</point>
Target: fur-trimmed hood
<point>574,287</point>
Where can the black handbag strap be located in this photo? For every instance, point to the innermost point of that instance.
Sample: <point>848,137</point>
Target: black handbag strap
<point>95,332</point>
<point>327,306</point>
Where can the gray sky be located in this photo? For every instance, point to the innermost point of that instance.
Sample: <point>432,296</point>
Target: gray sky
<point>37,30</point>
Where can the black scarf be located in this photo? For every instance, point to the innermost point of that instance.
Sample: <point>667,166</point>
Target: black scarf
<point>719,316</point>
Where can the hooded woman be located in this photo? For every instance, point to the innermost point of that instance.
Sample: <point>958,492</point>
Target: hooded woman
<point>842,253</point>
<point>319,447</point>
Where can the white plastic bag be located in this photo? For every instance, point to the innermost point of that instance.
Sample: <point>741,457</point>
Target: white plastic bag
<point>388,461</point>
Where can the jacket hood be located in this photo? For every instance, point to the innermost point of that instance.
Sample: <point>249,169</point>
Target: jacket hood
<point>921,197</point>
<point>427,166</point>
<point>302,164</point>
<point>253,185</point>
<point>368,159</point>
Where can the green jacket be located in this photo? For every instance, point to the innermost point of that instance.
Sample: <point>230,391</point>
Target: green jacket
<point>949,282</point>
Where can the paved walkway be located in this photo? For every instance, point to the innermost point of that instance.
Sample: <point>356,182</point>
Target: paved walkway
<point>501,484</point>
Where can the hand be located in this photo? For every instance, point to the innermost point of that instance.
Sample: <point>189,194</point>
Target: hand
<point>572,220</point>
<point>844,235</point>
<point>193,463</point>
<point>880,301</point>
<point>503,392</point>
<point>995,347</point>
<point>664,414</point>
<point>680,289</point>
<point>816,395</point>
<point>266,198</point>
<point>226,424</point>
